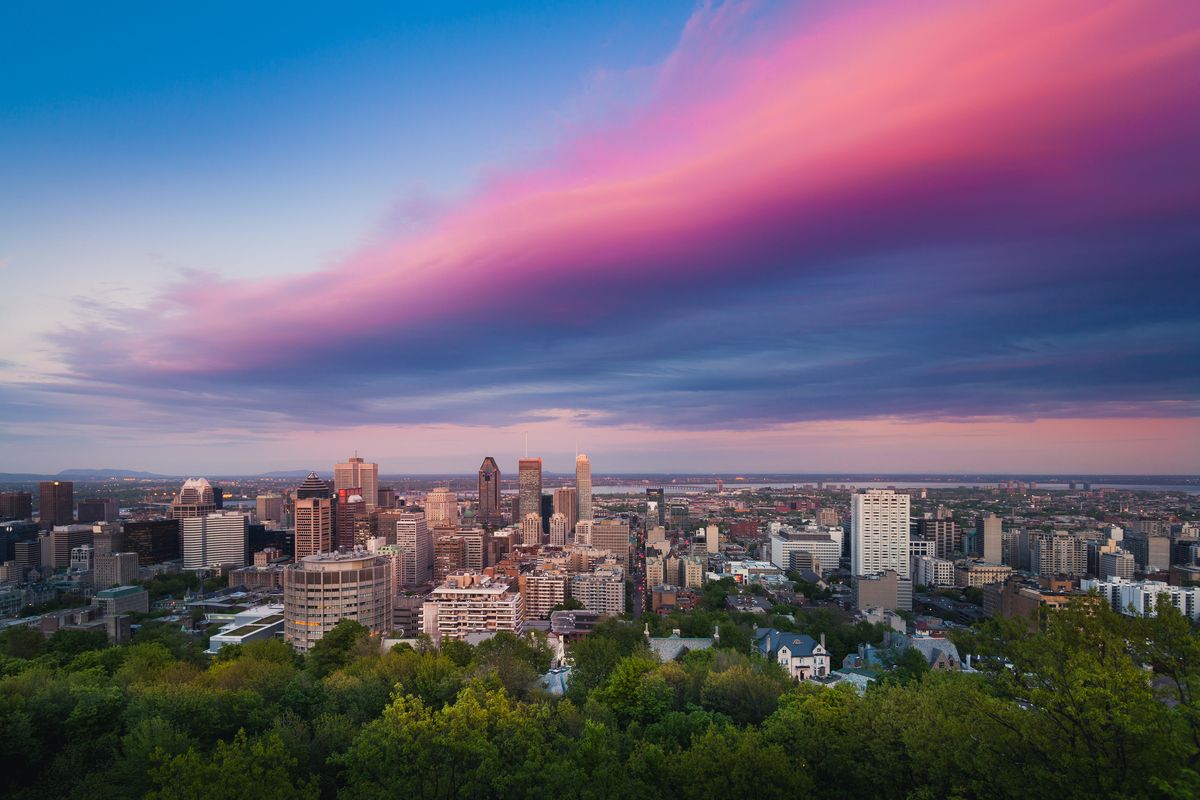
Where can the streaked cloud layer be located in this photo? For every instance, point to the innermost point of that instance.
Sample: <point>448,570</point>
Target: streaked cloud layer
<point>926,211</point>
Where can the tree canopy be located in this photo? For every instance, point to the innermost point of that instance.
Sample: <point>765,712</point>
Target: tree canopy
<point>1086,704</point>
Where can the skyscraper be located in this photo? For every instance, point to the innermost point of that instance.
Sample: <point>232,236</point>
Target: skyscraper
<point>583,486</point>
<point>489,493</point>
<point>558,529</point>
<point>214,539</point>
<point>16,505</point>
<point>441,508</point>
<point>314,526</point>
<point>313,486</point>
<point>195,499</point>
<point>531,530</point>
<point>529,481</point>
<point>565,503</point>
<point>351,520</point>
<point>656,499</point>
<point>612,535</point>
<point>57,503</point>
<point>358,474</point>
<point>988,538</point>
<point>416,544</point>
<point>879,532</point>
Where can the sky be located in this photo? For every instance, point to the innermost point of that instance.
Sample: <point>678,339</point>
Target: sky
<point>911,236</point>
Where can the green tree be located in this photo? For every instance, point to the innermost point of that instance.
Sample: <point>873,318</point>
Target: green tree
<point>21,641</point>
<point>243,767</point>
<point>338,647</point>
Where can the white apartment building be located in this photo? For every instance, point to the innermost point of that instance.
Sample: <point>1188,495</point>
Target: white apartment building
<point>471,603</point>
<point>1140,598</point>
<point>879,532</point>
<point>932,571</point>
<point>602,590</point>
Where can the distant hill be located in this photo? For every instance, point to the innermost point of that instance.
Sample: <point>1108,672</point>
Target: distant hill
<point>108,473</point>
<point>289,473</point>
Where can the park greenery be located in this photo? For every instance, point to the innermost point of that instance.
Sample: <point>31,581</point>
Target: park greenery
<point>1086,704</point>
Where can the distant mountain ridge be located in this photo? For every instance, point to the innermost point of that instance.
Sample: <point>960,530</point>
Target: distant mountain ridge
<point>108,473</point>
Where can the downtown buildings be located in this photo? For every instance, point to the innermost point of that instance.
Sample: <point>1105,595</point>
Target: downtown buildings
<point>362,477</point>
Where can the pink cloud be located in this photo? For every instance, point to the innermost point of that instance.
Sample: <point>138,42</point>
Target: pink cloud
<point>822,129</point>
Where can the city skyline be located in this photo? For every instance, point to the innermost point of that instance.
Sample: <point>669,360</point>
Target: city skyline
<point>721,237</point>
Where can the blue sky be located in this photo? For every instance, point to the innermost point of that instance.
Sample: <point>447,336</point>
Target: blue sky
<point>733,235</point>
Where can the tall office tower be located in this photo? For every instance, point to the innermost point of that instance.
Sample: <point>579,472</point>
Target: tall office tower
<point>154,540</point>
<point>107,539</point>
<point>416,542</point>
<point>321,590</point>
<point>216,539</point>
<point>565,503</point>
<point>57,506</point>
<point>351,520</point>
<point>547,513</point>
<point>313,486</point>
<point>583,486</point>
<point>558,529</point>
<point>268,507</point>
<point>658,498</point>
<point>612,535</point>
<point>16,505</point>
<point>529,481</point>
<point>944,532</point>
<point>314,526</point>
<point>115,569</point>
<point>97,509</point>
<point>531,530</point>
<point>988,538</point>
<point>441,508</point>
<point>358,474</point>
<point>879,532</point>
<point>490,513</point>
<point>60,541</point>
<point>385,497</point>
<point>195,499</point>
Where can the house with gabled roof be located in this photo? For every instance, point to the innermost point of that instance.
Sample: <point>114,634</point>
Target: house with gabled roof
<point>800,654</point>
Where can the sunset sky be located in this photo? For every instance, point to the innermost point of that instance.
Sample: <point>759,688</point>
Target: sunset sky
<point>806,237</point>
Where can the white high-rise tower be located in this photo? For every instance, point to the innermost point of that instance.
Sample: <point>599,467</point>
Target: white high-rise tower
<point>879,532</point>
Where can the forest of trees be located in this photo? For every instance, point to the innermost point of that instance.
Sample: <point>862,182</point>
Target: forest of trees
<point>1093,705</point>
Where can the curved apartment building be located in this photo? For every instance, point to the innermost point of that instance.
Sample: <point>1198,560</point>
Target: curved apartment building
<point>321,589</point>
